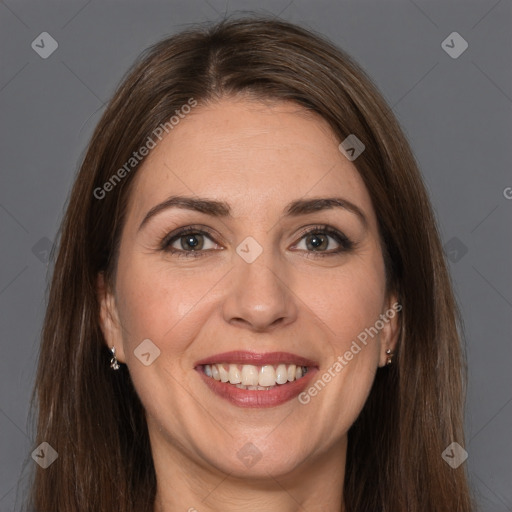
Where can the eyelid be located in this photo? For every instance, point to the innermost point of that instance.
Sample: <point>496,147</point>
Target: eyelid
<point>179,232</point>
<point>345,243</point>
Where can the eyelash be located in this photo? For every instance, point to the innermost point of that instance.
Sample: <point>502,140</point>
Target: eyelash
<point>346,245</point>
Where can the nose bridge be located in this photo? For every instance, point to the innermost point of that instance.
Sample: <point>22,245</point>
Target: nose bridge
<point>259,296</point>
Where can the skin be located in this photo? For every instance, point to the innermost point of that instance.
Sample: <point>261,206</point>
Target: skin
<point>257,157</point>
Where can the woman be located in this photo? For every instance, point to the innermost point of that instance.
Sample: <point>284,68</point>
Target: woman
<point>250,308</point>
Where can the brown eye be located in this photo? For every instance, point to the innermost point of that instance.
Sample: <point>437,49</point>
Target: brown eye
<point>324,241</point>
<point>316,241</point>
<point>192,241</point>
<point>189,242</point>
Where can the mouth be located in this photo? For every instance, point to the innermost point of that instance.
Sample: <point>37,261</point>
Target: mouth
<point>248,379</point>
<point>254,378</point>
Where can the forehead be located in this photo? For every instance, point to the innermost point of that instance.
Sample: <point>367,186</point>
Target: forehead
<point>256,156</point>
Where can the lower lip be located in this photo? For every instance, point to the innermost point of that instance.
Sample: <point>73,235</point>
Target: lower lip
<point>258,398</point>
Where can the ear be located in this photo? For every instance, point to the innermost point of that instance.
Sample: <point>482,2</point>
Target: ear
<point>109,318</point>
<point>391,330</point>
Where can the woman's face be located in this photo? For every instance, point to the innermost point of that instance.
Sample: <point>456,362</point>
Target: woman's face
<point>262,279</point>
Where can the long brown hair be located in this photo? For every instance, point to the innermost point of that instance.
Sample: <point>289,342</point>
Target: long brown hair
<point>92,416</point>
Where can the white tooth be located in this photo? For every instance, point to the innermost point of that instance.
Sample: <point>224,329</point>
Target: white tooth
<point>208,370</point>
<point>291,372</point>
<point>252,388</point>
<point>215,372</point>
<point>298,372</point>
<point>224,375</point>
<point>281,374</point>
<point>249,375</point>
<point>267,376</point>
<point>234,374</point>
<point>239,386</point>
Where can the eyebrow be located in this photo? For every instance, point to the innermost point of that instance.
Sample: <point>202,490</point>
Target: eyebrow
<point>222,209</point>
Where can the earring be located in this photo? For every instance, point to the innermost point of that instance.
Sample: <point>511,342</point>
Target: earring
<point>390,355</point>
<point>114,363</point>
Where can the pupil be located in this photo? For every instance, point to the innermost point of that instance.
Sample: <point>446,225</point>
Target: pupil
<point>192,241</point>
<point>316,241</point>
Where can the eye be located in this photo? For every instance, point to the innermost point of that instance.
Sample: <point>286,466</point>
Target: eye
<point>320,239</point>
<point>192,241</point>
<point>188,242</point>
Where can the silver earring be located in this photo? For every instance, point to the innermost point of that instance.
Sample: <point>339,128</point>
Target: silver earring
<point>390,354</point>
<point>114,363</point>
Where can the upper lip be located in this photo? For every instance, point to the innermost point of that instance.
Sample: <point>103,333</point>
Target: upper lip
<point>257,359</point>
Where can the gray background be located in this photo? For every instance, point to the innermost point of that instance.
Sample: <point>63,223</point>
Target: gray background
<point>457,114</point>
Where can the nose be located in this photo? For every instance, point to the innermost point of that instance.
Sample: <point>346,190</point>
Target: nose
<point>259,297</point>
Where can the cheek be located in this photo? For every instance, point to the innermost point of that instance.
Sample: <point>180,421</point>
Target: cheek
<point>348,304</point>
<point>347,301</point>
<point>169,307</point>
<point>163,304</point>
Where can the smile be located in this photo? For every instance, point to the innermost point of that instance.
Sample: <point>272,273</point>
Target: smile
<point>248,379</point>
<point>255,378</point>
